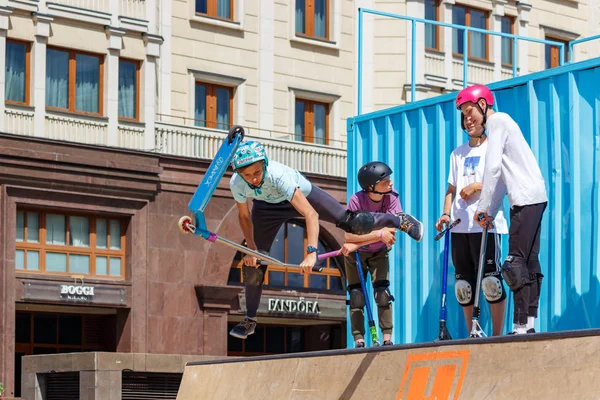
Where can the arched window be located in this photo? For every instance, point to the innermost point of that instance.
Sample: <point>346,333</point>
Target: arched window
<point>289,247</point>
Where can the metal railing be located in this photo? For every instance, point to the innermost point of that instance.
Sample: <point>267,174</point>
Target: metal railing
<point>465,29</point>
<point>577,41</point>
<point>251,131</point>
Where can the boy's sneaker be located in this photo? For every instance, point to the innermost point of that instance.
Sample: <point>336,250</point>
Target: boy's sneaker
<point>410,225</point>
<point>243,329</point>
<point>387,343</point>
<point>359,345</point>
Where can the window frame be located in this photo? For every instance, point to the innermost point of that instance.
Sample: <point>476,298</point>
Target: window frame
<point>330,269</point>
<point>512,32</point>
<point>211,93</point>
<point>27,73</point>
<point>309,119</point>
<point>72,83</point>
<point>211,10</point>
<point>309,20</point>
<point>468,10</point>
<point>92,251</point>
<point>554,51</point>
<point>436,27</point>
<point>138,65</point>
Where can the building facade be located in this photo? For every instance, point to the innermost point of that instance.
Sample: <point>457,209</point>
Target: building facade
<point>112,112</point>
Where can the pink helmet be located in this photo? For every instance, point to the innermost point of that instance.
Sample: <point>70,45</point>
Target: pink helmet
<point>474,93</point>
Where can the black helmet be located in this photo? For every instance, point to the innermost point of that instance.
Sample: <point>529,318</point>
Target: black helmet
<point>372,173</point>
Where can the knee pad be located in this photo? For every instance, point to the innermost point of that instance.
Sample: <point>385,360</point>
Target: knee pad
<point>515,272</point>
<point>357,222</point>
<point>464,292</point>
<point>357,297</point>
<point>492,287</point>
<point>254,276</point>
<point>383,297</point>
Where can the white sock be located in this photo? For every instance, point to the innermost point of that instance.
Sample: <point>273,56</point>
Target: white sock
<point>520,328</point>
<point>530,322</point>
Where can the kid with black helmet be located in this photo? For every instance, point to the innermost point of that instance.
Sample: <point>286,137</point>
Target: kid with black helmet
<point>376,195</point>
<point>510,162</point>
<point>281,193</point>
<point>465,177</point>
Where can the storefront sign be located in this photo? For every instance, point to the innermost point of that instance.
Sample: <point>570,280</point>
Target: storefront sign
<point>294,306</point>
<point>74,293</point>
<point>298,307</point>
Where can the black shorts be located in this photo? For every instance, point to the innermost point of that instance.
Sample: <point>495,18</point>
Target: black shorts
<point>465,255</point>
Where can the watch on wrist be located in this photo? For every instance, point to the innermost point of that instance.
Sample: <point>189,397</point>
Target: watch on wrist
<point>447,215</point>
<point>311,249</point>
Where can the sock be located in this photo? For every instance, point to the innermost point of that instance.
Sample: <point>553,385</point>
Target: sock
<point>530,322</point>
<point>520,328</point>
<point>251,318</point>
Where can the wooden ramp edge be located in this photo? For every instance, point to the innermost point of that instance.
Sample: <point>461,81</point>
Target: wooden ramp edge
<point>558,365</point>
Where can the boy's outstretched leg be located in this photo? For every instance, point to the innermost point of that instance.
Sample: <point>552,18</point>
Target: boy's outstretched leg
<point>253,281</point>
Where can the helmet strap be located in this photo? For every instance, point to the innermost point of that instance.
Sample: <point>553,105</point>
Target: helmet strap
<point>376,192</point>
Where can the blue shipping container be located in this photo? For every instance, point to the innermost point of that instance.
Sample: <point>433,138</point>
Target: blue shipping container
<point>558,111</point>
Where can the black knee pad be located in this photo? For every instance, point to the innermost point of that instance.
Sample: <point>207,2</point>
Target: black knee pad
<point>515,272</point>
<point>464,289</point>
<point>383,297</point>
<point>254,276</point>
<point>493,288</point>
<point>357,222</point>
<point>357,297</point>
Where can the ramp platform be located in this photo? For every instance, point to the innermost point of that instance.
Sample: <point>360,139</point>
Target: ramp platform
<point>558,365</point>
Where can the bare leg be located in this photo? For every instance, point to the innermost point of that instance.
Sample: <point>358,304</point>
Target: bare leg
<point>498,310</point>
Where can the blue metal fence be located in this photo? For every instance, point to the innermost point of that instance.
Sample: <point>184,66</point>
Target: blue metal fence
<point>464,29</point>
<point>559,113</point>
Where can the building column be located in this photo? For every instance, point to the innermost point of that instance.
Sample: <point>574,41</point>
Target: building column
<point>153,45</point>
<point>164,89</point>
<point>367,67</point>
<point>522,30</point>
<point>111,85</point>
<point>266,68</point>
<point>497,15</point>
<point>42,32</point>
<point>446,33</point>
<point>415,8</point>
<point>215,303</point>
<point>4,22</point>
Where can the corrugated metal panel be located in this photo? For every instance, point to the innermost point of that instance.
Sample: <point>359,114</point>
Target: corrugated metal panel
<point>150,385</point>
<point>559,113</point>
<point>62,386</point>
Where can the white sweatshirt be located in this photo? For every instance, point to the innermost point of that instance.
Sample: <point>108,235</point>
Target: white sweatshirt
<point>510,158</point>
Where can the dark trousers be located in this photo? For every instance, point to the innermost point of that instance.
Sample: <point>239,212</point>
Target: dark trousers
<point>267,219</point>
<point>524,243</point>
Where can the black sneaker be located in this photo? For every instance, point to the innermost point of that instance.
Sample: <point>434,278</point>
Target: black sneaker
<point>243,329</point>
<point>410,225</point>
<point>359,345</point>
<point>531,330</point>
<point>387,343</point>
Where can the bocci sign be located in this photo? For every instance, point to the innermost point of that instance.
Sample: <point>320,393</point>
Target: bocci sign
<point>73,292</point>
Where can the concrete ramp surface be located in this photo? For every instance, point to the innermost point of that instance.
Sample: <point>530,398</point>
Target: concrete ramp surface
<point>563,365</point>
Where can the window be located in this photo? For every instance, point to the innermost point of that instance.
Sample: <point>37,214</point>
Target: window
<point>553,53</point>
<point>129,79</point>
<point>54,243</point>
<point>213,106</point>
<point>290,246</point>
<point>312,120</point>
<point>478,46</point>
<point>432,32</point>
<point>277,339</point>
<point>312,18</point>
<point>17,72</point>
<point>507,26</point>
<point>74,81</point>
<point>215,8</point>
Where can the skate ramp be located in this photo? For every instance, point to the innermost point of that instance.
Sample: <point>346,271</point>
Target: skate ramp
<point>562,365</point>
